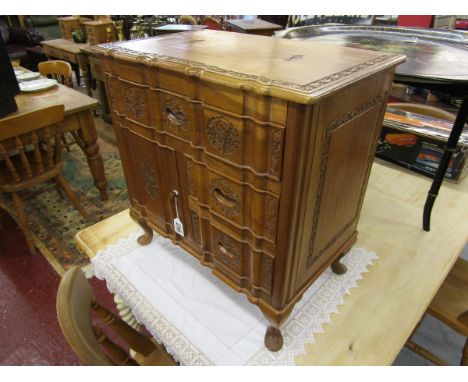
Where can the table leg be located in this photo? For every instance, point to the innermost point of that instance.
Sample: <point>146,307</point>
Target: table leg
<point>88,134</point>
<point>83,65</point>
<point>444,162</point>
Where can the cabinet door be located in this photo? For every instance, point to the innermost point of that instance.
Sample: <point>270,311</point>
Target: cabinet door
<point>151,174</point>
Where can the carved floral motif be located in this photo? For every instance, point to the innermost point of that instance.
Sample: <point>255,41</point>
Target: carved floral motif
<point>149,179</point>
<point>222,135</point>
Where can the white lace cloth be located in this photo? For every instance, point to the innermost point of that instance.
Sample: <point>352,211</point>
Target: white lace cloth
<point>202,321</point>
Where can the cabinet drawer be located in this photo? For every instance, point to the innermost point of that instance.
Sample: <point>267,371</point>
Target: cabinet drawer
<point>236,260</point>
<point>60,54</point>
<point>235,203</point>
<point>244,141</point>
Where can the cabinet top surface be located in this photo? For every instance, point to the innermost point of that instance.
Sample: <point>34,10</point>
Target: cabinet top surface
<point>301,71</point>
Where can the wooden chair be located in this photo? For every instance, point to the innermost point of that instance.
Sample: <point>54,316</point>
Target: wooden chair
<point>30,154</point>
<point>62,72</point>
<point>89,341</point>
<point>212,23</point>
<point>188,20</point>
<point>450,305</point>
<point>59,70</point>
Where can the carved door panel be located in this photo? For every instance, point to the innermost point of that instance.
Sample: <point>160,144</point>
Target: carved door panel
<point>151,173</point>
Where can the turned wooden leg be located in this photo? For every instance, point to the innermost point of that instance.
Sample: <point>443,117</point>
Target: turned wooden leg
<point>464,359</point>
<point>62,183</point>
<point>23,221</point>
<point>126,313</point>
<point>338,267</point>
<point>147,235</point>
<point>273,338</point>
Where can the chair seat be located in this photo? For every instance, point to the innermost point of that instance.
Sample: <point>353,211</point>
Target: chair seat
<point>452,298</point>
<point>7,181</point>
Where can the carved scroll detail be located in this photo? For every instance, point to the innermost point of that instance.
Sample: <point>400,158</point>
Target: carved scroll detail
<point>222,135</point>
<point>190,177</point>
<point>149,179</point>
<point>361,109</point>
<point>271,215</point>
<point>195,227</point>
<point>276,151</point>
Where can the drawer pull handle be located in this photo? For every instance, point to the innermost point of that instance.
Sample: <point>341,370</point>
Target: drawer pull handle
<point>227,200</point>
<point>228,257</point>
<point>175,117</point>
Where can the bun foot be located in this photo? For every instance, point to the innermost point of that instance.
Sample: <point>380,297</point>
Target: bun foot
<point>145,239</point>
<point>147,236</point>
<point>338,268</point>
<point>273,338</point>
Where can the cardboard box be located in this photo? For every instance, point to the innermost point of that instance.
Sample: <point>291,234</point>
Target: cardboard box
<point>417,142</point>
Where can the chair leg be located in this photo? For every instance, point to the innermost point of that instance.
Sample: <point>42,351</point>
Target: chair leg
<point>18,204</point>
<point>464,359</point>
<point>65,143</point>
<point>62,183</point>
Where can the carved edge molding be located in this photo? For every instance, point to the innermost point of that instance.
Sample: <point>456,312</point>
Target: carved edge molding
<point>222,135</point>
<point>345,118</point>
<point>149,179</point>
<point>117,50</point>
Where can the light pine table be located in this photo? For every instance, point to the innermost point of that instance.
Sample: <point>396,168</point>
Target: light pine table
<point>380,314</point>
<point>70,51</point>
<point>78,117</point>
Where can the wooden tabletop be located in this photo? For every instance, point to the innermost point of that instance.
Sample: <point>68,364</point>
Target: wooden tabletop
<point>294,70</point>
<point>69,46</point>
<point>73,100</point>
<point>380,314</point>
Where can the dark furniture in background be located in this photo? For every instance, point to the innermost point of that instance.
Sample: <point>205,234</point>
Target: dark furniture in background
<point>437,60</point>
<point>8,83</point>
<point>252,26</point>
<point>47,27</point>
<point>17,40</point>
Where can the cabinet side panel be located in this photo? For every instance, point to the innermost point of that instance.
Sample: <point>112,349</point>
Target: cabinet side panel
<point>348,125</point>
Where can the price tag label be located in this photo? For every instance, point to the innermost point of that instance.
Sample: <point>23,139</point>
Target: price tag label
<point>178,227</point>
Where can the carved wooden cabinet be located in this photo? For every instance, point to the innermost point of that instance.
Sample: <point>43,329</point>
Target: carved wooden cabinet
<point>262,147</point>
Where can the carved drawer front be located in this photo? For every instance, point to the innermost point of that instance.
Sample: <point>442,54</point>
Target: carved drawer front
<point>238,204</point>
<point>236,260</point>
<point>243,141</point>
<point>177,116</point>
<point>129,99</point>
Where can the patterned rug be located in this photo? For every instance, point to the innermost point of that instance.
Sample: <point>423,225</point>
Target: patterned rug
<point>53,219</point>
